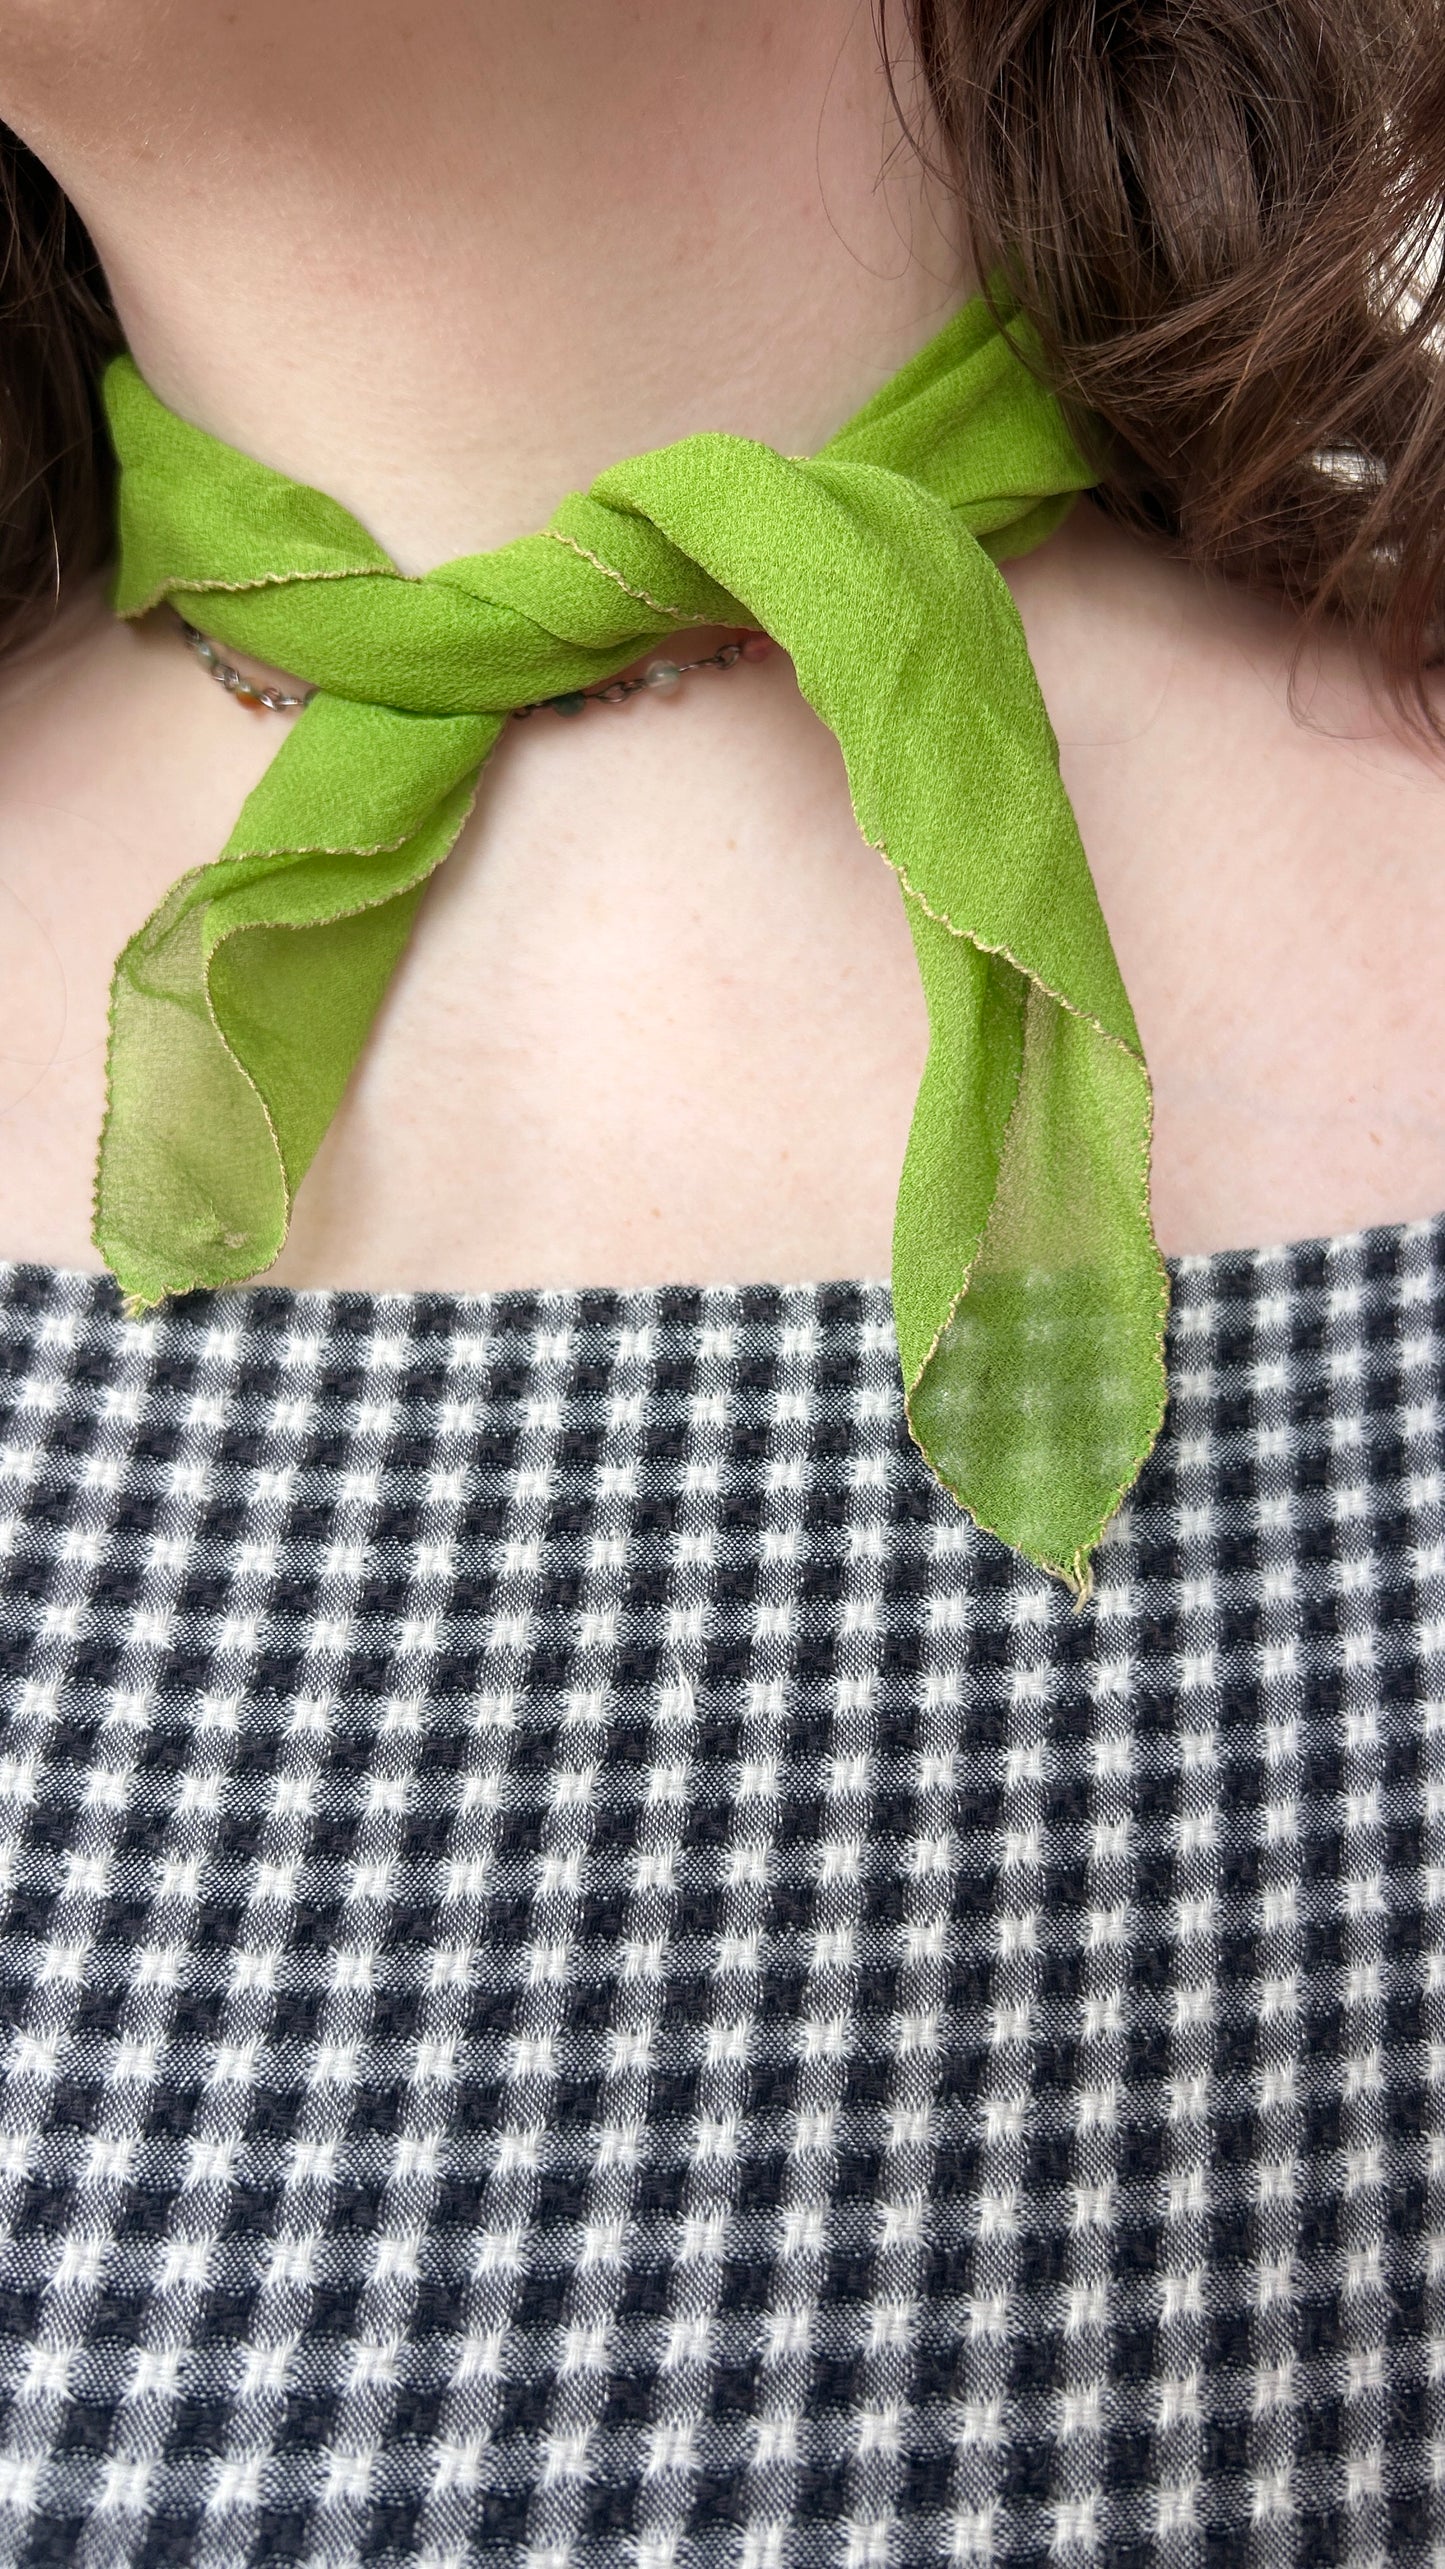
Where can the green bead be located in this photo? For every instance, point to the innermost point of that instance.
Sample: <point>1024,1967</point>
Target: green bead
<point>568,704</point>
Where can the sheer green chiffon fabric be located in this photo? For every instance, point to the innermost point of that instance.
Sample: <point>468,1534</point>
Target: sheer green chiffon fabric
<point>1028,1289</point>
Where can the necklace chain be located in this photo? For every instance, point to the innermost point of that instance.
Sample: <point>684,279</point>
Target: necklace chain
<point>258,699</point>
<point>659,678</point>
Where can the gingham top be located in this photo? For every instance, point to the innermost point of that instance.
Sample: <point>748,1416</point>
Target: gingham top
<point>594,1980</point>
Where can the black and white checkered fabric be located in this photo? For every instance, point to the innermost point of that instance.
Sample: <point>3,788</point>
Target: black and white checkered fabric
<point>593,1980</point>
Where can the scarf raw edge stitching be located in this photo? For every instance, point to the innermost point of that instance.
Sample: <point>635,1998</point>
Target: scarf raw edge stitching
<point>677,616</point>
<point>171,588</point>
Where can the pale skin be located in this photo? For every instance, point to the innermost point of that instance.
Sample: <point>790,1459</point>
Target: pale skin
<point>660,1019</point>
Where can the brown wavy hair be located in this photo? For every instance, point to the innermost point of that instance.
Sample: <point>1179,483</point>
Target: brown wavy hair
<point>57,327</point>
<point>1223,217</point>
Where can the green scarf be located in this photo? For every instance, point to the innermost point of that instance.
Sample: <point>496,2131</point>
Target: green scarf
<point>1029,1293</point>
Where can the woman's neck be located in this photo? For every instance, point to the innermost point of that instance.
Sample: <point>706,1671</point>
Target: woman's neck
<point>449,262</point>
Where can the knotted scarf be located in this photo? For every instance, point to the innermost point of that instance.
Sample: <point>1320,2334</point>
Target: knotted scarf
<point>1028,1289</point>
